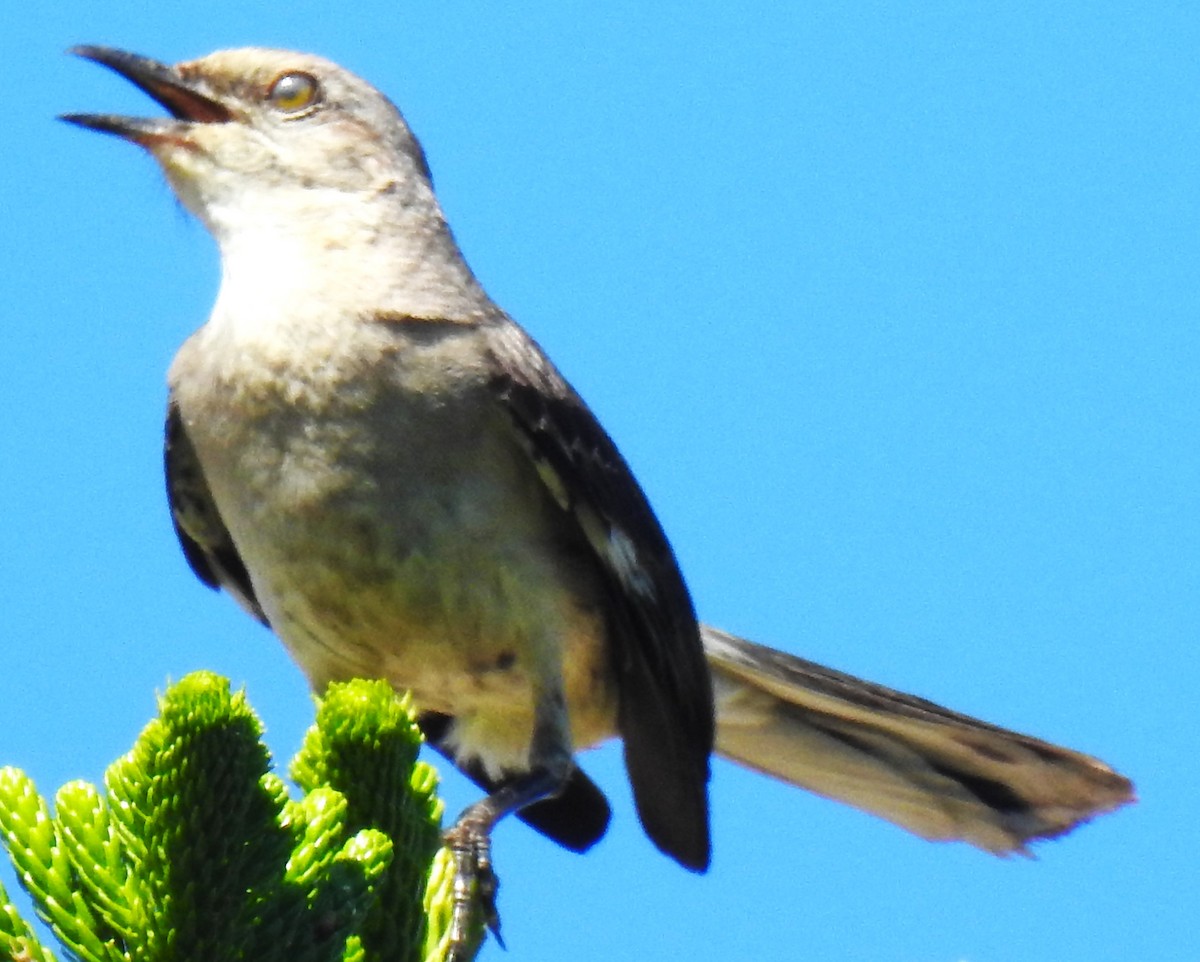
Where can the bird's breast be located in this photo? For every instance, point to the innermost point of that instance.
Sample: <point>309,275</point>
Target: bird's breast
<point>392,527</point>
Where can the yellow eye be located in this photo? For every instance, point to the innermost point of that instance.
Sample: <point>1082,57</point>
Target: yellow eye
<point>291,93</point>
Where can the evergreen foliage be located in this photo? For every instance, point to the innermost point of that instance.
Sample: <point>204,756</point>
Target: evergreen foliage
<point>195,852</point>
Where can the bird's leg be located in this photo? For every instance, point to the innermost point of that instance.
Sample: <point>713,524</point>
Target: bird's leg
<point>469,838</point>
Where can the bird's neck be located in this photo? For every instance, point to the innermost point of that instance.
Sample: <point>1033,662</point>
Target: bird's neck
<point>310,255</point>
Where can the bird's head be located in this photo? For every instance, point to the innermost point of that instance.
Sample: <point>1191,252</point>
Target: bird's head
<point>251,128</point>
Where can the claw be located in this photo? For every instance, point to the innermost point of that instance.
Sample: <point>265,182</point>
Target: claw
<point>474,892</point>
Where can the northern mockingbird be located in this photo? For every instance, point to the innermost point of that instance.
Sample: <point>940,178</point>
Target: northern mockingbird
<point>379,464</point>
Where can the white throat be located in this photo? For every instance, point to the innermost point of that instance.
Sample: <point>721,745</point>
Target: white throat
<point>316,253</point>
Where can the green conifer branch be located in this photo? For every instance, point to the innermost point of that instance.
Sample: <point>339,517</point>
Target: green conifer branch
<point>195,851</point>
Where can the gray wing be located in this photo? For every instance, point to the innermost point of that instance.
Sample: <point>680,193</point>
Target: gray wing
<point>206,543</point>
<point>665,714</point>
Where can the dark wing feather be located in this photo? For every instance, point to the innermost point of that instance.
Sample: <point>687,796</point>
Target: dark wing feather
<point>206,543</point>
<point>665,692</point>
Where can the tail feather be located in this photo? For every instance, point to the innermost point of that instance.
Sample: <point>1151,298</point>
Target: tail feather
<point>939,774</point>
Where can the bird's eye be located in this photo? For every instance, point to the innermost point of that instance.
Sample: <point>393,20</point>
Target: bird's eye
<point>291,93</point>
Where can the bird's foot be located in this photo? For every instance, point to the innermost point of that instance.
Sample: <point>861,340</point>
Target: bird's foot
<point>474,890</point>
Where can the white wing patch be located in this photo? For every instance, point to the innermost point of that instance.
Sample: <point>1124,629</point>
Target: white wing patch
<point>618,551</point>
<point>622,554</point>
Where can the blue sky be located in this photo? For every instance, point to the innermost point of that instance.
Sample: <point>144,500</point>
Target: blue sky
<point>893,308</point>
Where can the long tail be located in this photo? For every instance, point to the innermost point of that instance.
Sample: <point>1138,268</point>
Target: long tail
<point>936,773</point>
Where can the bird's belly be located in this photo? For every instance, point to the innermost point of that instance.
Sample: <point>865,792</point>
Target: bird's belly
<point>442,574</point>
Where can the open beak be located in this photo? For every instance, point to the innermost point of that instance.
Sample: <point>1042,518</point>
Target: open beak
<point>187,100</point>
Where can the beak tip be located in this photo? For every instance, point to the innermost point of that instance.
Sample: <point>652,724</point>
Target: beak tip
<point>90,51</point>
<point>133,129</point>
<point>186,99</point>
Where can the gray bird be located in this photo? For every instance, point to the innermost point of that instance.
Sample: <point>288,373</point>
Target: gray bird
<point>385,469</point>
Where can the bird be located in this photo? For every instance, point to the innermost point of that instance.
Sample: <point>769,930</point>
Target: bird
<point>385,469</point>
